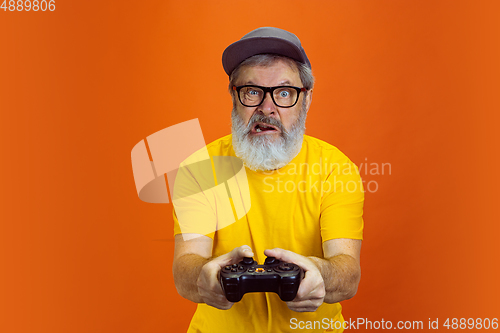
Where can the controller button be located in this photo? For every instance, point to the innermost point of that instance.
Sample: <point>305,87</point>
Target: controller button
<point>285,267</point>
<point>241,268</point>
<point>270,260</point>
<point>234,270</point>
<point>227,268</point>
<point>235,265</point>
<point>269,270</point>
<point>248,260</point>
<point>250,270</point>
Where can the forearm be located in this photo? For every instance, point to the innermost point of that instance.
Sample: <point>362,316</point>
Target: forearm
<point>186,270</point>
<point>341,275</point>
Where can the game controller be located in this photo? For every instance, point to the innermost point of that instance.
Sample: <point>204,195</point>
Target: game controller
<point>275,276</point>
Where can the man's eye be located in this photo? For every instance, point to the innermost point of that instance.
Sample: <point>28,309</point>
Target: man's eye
<point>253,92</point>
<point>284,93</point>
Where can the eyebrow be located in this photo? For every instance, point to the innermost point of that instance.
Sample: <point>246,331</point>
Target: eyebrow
<point>282,83</point>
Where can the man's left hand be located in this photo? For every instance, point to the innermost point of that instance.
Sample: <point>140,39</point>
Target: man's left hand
<point>311,291</point>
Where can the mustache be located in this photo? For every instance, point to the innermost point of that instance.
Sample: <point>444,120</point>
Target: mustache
<point>260,118</point>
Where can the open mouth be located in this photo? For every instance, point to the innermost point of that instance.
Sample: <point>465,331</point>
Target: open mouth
<point>262,128</point>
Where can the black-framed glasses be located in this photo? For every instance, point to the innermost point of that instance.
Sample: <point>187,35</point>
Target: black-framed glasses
<point>282,96</point>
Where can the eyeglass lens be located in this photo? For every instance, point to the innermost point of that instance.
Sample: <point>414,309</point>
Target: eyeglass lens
<point>283,96</point>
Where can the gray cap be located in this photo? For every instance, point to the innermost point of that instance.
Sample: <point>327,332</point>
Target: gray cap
<point>263,40</point>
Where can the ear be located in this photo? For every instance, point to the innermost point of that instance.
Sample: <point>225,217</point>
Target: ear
<point>309,97</point>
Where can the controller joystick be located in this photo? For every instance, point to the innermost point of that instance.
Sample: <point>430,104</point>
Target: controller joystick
<point>270,260</point>
<point>247,260</point>
<point>274,276</point>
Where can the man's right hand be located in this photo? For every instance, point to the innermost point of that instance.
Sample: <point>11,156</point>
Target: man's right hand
<point>209,287</point>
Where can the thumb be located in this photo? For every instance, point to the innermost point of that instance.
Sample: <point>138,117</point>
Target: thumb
<point>292,257</point>
<point>281,254</point>
<point>235,256</point>
<point>238,253</point>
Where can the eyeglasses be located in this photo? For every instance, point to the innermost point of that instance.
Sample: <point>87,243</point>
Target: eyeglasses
<point>282,96</point>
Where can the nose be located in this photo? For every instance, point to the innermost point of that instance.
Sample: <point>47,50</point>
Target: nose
<point>267,106</point>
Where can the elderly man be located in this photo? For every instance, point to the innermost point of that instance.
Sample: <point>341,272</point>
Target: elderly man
<point>307,200</point>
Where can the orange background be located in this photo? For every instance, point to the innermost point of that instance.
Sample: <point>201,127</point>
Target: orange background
<point>411,83</point>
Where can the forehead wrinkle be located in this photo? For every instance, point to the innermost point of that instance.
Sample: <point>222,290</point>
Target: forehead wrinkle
<point>282,83</point>
<point>259,73</point>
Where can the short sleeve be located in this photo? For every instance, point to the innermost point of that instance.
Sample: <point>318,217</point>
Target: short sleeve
<point>342,203</point>
<point>192,198</point>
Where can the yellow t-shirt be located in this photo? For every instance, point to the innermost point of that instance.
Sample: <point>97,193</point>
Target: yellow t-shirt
<point>318,196</point>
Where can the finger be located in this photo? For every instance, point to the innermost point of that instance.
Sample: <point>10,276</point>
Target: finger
<point>234,256</point>
<point>312,286</point>
<point>304,306</point>
<point>211,292</point>
<point>219,302</point>
<point>304,287</point>
<point>217,294</point>
<point>308,309</point>
<point>242,251</point>
<point>291,257</point>
<point>218,288</point>
<point>212,273</point>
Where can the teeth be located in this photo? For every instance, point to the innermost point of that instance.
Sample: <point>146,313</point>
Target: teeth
<point>258,130</point>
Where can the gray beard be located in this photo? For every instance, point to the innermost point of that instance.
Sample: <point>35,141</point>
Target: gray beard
<point>262,152</point>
